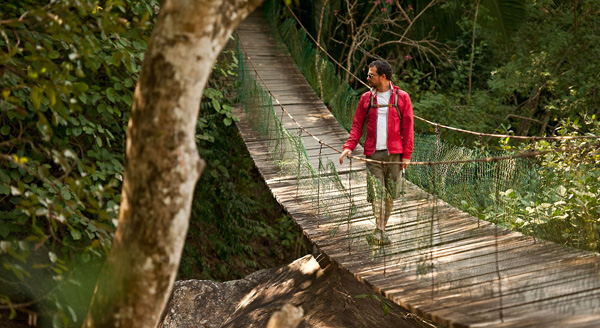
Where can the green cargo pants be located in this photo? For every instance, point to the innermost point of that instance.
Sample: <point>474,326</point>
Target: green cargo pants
<point>382,185</point>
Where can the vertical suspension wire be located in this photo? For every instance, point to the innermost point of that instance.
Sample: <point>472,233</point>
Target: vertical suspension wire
<point>433,212</point>
<point>382,215</point>
<point>319,184</point>
<point>298,167</point>
<point>438,152</point>
<point>384,260</point>
<point>381,201</point>
<point>438,140</point>
<point>496,241</point>
<point>351,207</point>
<point>479,171</point>
<point>536,190</point>
<point>402,213</point>
<point>268,117</point>
<point>281,136</point>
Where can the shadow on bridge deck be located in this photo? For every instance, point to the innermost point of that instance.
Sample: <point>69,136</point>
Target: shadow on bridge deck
<point>442,264</point>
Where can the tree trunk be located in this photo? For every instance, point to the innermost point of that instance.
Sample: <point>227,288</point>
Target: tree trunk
<point>162,162</point>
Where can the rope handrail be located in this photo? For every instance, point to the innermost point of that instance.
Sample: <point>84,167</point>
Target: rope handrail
<point>321,142</point>
<point>480,134</point>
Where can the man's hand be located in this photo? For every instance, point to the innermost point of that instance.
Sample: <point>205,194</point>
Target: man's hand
<point>345,153</point>
<point>405,162</point>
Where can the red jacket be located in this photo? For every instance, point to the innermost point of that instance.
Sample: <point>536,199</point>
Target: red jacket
<point>399,141</point>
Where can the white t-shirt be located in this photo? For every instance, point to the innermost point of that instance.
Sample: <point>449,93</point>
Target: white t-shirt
<point>383,99</point>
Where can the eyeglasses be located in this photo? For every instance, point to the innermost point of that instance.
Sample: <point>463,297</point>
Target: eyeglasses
<point>371,75</point>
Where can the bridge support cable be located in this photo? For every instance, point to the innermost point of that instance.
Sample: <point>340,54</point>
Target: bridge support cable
<point>443,259</point>
<point>498,274</point>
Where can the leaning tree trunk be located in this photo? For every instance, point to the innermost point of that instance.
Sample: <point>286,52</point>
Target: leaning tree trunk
<point>162,163</point>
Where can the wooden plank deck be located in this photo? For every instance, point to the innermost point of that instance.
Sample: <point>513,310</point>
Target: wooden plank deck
<point>442,263</point>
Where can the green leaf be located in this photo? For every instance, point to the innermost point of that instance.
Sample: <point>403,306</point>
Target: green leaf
<point>116,58</point>
<point>73,314</point>
<point>4,177</point>
<point>56,321</point>
<point>81,87</point>
<point>79,72</point>
<point>4,230</point>
<point>227,121</point>
<point>51,95</point>
<point>76,234</point>
<point>85,257</point>
<point>31,73</point>
<point>5,130</point>
<point>216,105</point>
<point>4,189</point>
<point>64,191</point>
<point>22,219</point>
<point>83,98</point>
<point>139,45</point>
<point>111,94</point>
<point>128,100</point>
<point>36,97</point>
<point>386,308</point>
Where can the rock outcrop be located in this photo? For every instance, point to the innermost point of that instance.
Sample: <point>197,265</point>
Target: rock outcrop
<point>326,296</point>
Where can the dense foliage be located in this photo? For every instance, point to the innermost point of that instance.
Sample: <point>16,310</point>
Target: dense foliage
<point>67,73</point>
<point>562,204</point>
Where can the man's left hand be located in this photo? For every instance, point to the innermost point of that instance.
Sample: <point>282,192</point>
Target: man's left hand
<point>405,162</point>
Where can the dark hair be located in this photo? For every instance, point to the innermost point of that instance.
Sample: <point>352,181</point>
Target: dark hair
<point>383,67</point>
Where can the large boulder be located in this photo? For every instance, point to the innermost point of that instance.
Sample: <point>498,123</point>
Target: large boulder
<point>327,297</point>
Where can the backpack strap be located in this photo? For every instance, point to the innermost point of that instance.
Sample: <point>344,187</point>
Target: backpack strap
<point>370,106</point>
<point>396,92</point>
<point>395,104</point>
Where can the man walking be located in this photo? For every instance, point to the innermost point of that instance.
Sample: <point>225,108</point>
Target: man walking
<point>390,133</point>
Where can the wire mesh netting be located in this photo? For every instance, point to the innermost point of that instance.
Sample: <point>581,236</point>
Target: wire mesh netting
<point>513,192</point>
<point>445,227</point>
<point>340,199</point>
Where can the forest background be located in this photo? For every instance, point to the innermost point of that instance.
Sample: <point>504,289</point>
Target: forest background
<point>68,71</point>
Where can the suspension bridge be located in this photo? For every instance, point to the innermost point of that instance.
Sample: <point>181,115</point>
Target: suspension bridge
<point>443,264</point>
